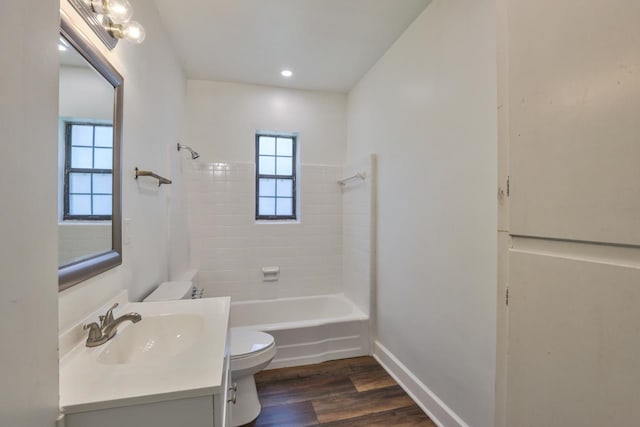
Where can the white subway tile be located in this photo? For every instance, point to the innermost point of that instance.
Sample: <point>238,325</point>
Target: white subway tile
<point>230,248</point>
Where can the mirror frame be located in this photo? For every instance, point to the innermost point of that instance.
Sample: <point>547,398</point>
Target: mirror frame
<point>76,272</point>
<point>91,18</point>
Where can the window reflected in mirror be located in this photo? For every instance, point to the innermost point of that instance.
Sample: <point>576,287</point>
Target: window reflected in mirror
<point>88,171</point>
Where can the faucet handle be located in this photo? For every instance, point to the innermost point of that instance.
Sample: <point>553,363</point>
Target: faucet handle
<point>95,332</point>
<point>108,317</point>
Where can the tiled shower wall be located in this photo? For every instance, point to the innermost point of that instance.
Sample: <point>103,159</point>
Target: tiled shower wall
<point>229,248</point>
<point>358,239</point>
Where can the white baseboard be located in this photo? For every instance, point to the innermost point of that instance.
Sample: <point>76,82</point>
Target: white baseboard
<point>435,408</point>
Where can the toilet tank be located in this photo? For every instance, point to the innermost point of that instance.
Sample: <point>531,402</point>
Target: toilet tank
<point>168,291</point>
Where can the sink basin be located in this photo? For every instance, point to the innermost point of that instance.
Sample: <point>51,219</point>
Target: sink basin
<point>154,339</point>
<point>177,351</point>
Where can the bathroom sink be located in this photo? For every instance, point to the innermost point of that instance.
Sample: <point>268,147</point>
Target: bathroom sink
<point>154,339</point>
<point>177,351</point>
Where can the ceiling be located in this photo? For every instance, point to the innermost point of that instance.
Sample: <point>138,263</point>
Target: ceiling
<point>328,44</point>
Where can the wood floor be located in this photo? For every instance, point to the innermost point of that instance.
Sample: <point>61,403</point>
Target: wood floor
<point>355,392</point>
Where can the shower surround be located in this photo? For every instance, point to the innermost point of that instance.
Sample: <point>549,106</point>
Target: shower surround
<point>229,247</point>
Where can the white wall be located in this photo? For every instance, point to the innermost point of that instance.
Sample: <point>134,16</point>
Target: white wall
<point>428,109</point>
<point>223,119</point>
<point>28,252</point>
<point>84,94</point>
<point>227,245</point>
<point>78,240</point>
<point>154,91</point>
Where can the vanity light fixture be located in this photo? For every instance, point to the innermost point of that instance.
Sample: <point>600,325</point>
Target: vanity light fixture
<point>110,20</point>
<point>119,11</point>
<point>286,73</point>
<point>117,19</point>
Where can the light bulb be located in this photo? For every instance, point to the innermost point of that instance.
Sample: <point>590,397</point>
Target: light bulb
<point>119,11</point>
<point>286,73</point>
<point>133,32</point>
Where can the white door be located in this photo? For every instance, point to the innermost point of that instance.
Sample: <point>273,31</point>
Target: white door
<point>573,85</point>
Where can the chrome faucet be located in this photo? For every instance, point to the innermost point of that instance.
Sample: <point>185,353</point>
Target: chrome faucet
<point>100,334</point>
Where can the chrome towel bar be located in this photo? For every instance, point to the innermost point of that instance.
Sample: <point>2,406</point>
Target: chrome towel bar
<point>360,175</point>
<point>161,180</point>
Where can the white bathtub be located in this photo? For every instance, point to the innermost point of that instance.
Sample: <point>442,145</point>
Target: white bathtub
<point>308,329</point>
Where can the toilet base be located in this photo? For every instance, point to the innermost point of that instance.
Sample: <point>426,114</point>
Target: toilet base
<point>247,406</point>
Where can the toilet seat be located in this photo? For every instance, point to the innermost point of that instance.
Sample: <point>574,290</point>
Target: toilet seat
<point>251,351</point>
<point>247,343</point>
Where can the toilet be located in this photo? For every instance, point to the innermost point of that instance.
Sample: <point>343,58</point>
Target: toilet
<point>251,352</point>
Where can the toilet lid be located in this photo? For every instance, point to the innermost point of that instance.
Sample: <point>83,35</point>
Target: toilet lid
<point>246,341</point>
<point>168,291</point>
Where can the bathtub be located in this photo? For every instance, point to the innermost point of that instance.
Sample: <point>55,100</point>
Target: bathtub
<point>307,329</point>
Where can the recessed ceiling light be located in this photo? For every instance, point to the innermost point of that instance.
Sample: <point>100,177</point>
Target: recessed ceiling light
<point>286,73</point>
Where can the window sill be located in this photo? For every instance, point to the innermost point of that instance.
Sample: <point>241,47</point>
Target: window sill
<point>81,222</point>
<point>277,221</point>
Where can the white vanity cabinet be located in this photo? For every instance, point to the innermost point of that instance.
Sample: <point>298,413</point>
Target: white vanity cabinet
<point>226,399</point>
<point>204,411</point>
<point>192,412</point>
<point>171,369</point>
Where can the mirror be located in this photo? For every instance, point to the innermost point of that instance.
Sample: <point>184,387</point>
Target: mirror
<point>89,138</point>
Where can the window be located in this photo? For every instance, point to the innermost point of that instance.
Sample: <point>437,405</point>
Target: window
<point>275,176</point>
<point>88,171</point>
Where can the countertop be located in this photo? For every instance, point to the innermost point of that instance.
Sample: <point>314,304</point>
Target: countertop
<point>87,385</point>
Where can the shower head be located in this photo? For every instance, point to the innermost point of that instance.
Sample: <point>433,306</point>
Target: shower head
<point>194,154</point>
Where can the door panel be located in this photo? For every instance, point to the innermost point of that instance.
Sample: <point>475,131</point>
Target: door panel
<point>574,342</point>
<point>574,113</point>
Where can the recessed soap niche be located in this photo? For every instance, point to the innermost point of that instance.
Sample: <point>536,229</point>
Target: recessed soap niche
<point>270,274</point>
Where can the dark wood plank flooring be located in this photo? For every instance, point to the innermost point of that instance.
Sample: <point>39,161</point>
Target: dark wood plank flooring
<point>355,392</point>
